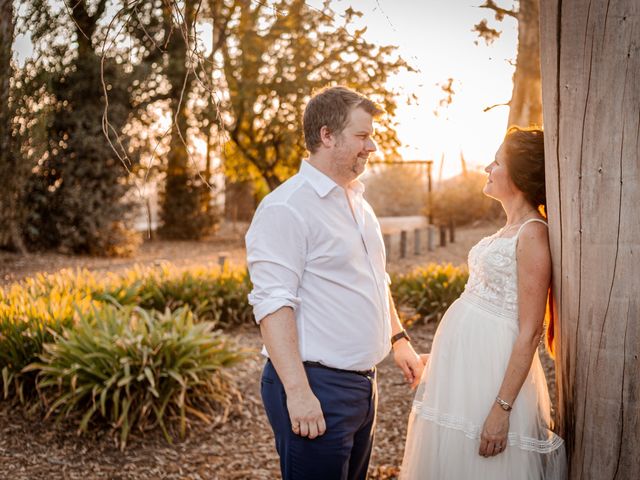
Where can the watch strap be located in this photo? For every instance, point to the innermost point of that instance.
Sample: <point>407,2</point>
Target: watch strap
<point>402,334</point>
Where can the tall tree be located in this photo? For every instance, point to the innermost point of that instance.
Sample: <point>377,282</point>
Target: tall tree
<point>168,69</point>
<point>77,190</point>
<point>273,58</point>
<point>10,232</point>
<point>590,71</point>
<point>525,106</point>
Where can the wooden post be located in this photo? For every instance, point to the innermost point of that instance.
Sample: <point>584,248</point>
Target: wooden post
<point>387,245</point>
<point>443,235</point>
<point>222,260</point>
<point>431,238</point>
<point>590,70</point>
<point>403,244</point>
<point>416,242</point>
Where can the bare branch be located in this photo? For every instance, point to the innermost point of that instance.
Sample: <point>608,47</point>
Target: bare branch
<point>500,12</point>
<point>497,105</point>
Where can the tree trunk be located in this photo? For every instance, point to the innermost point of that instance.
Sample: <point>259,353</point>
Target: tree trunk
<point>10,234</point>
<point>590,71</point>
<point>525,106</point>
<point>179,204</point>
<point>6,41</point>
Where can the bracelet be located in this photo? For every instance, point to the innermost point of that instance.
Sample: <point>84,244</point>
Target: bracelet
<point>402,334</point>
<point>504,405</point>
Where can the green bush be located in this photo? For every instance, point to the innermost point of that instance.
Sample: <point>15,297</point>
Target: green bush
<point>429,290</point>
<point>136,370</point>
<point>26,323</point>
<point>213,295</point>
<point>35,310</point>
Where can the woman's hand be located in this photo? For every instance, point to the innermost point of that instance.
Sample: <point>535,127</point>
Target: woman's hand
<point>424,357</point>
<point>495,431</point>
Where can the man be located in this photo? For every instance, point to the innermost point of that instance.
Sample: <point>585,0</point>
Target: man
<point>317,261</point>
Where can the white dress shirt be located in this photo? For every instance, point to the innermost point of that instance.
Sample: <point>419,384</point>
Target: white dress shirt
<point>307,250</point>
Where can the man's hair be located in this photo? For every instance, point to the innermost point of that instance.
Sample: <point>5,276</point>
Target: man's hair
<point>331,108</point>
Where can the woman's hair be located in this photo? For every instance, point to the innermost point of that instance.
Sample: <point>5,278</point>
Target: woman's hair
<point>524,152</point>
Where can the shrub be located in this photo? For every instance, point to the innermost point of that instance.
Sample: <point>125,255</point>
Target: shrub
<point>396,190</point>
<point>429,290</point>
<point>34,311</point>
<point>136,370</point>
<point>460,199</point>
<point>27,322</point>
<point>213,295</point>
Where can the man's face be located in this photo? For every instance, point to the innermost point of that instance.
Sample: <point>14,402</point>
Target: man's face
<point>354,145</point>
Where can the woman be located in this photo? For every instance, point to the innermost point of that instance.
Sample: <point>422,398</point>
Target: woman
<point>482,407</point>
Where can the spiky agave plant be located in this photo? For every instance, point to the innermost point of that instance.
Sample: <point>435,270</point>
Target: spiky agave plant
<point>137,369</point>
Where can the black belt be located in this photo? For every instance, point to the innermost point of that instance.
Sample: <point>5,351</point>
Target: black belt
<point>364,373</point>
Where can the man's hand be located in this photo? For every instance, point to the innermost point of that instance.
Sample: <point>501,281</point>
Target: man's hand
<point>408,361</point>
<point>305,413</point>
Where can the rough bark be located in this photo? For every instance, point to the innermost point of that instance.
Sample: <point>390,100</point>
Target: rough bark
<point>590,71</point>
<point>10,234</point>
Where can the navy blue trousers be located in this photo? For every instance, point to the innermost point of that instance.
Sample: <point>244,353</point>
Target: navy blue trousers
<point>348,402</point>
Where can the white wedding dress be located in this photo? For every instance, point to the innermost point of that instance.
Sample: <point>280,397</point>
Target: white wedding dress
<point>469,356</point>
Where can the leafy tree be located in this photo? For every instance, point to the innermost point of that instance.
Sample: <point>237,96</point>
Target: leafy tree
<point>273,58</point>
<point>75,195</point>
<point>247,96</point>
<point>165,71</point>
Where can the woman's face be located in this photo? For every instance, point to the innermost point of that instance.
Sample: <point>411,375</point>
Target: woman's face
<point>499,184</point>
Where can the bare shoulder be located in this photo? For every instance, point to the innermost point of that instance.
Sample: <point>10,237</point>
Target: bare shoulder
<point>533,245</point>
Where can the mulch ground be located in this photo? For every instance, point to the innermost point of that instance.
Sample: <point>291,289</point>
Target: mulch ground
<point>240,448</point>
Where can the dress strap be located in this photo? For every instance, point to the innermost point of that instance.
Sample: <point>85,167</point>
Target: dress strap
<point>529,221</point>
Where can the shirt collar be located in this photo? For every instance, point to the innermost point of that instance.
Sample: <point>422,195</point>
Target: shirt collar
<point>322,184</point>
<point>318,180</point>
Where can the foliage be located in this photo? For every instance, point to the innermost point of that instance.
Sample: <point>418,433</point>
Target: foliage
<point>136,370</point>
<point>396,190</point>
<point>186,213</point>
<point>460,199</point>
<point>34,312</point>
<point>429,290</point>
<point>27,321</point>
<point>273,63</point>
<point>74,195</point>
<point>216,296</point>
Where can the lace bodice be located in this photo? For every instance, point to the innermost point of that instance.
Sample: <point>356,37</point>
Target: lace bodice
<point>493,275</point>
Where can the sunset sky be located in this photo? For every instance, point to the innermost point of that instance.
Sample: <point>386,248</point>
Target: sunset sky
<point>435,37</point>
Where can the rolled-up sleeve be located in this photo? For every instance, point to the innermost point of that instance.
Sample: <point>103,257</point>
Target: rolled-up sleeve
<point>276,252</point>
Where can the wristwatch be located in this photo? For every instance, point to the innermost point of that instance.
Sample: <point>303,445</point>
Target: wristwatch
<point>402,334</point>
